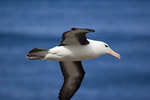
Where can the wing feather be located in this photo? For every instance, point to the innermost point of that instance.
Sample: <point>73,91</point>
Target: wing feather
<point>73,73</point>
<point>75,36</point>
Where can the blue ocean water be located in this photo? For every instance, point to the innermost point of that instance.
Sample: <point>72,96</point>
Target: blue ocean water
<point>123,24</point>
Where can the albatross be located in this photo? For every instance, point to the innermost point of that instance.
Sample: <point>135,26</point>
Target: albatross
<point>73,48</point>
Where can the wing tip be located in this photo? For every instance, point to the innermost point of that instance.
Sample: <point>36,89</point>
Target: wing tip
<point>89,30</point>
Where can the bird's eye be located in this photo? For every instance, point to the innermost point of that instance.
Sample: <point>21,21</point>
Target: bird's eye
<point>106,45</point>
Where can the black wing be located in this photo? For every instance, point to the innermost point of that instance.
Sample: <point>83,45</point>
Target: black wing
<point>75,36</point>
<point>73,73</point>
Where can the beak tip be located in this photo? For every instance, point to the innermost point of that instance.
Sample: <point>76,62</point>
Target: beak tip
<point>118,56</point>
<point>111,52</point>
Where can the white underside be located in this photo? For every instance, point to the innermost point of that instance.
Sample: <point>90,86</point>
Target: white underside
<point>77,52</point>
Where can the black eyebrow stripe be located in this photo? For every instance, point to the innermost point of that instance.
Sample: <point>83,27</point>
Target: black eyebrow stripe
<point>106,45</point>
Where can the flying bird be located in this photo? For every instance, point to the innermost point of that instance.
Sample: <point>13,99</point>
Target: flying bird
<point>73,48</point>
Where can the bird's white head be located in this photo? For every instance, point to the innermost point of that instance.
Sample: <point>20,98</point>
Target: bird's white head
<point>108,50</point>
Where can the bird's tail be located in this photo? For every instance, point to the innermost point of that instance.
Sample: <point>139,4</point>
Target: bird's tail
<point>37,53</point>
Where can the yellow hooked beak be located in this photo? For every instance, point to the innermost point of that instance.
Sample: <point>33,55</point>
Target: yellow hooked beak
<point>113,53</point>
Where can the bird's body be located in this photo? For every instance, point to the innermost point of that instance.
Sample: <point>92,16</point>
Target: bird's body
<point>73,48</point>
<point>76,52</point>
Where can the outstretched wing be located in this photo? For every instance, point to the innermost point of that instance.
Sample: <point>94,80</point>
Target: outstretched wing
<point>73,73</point>
<point>75,36</point>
